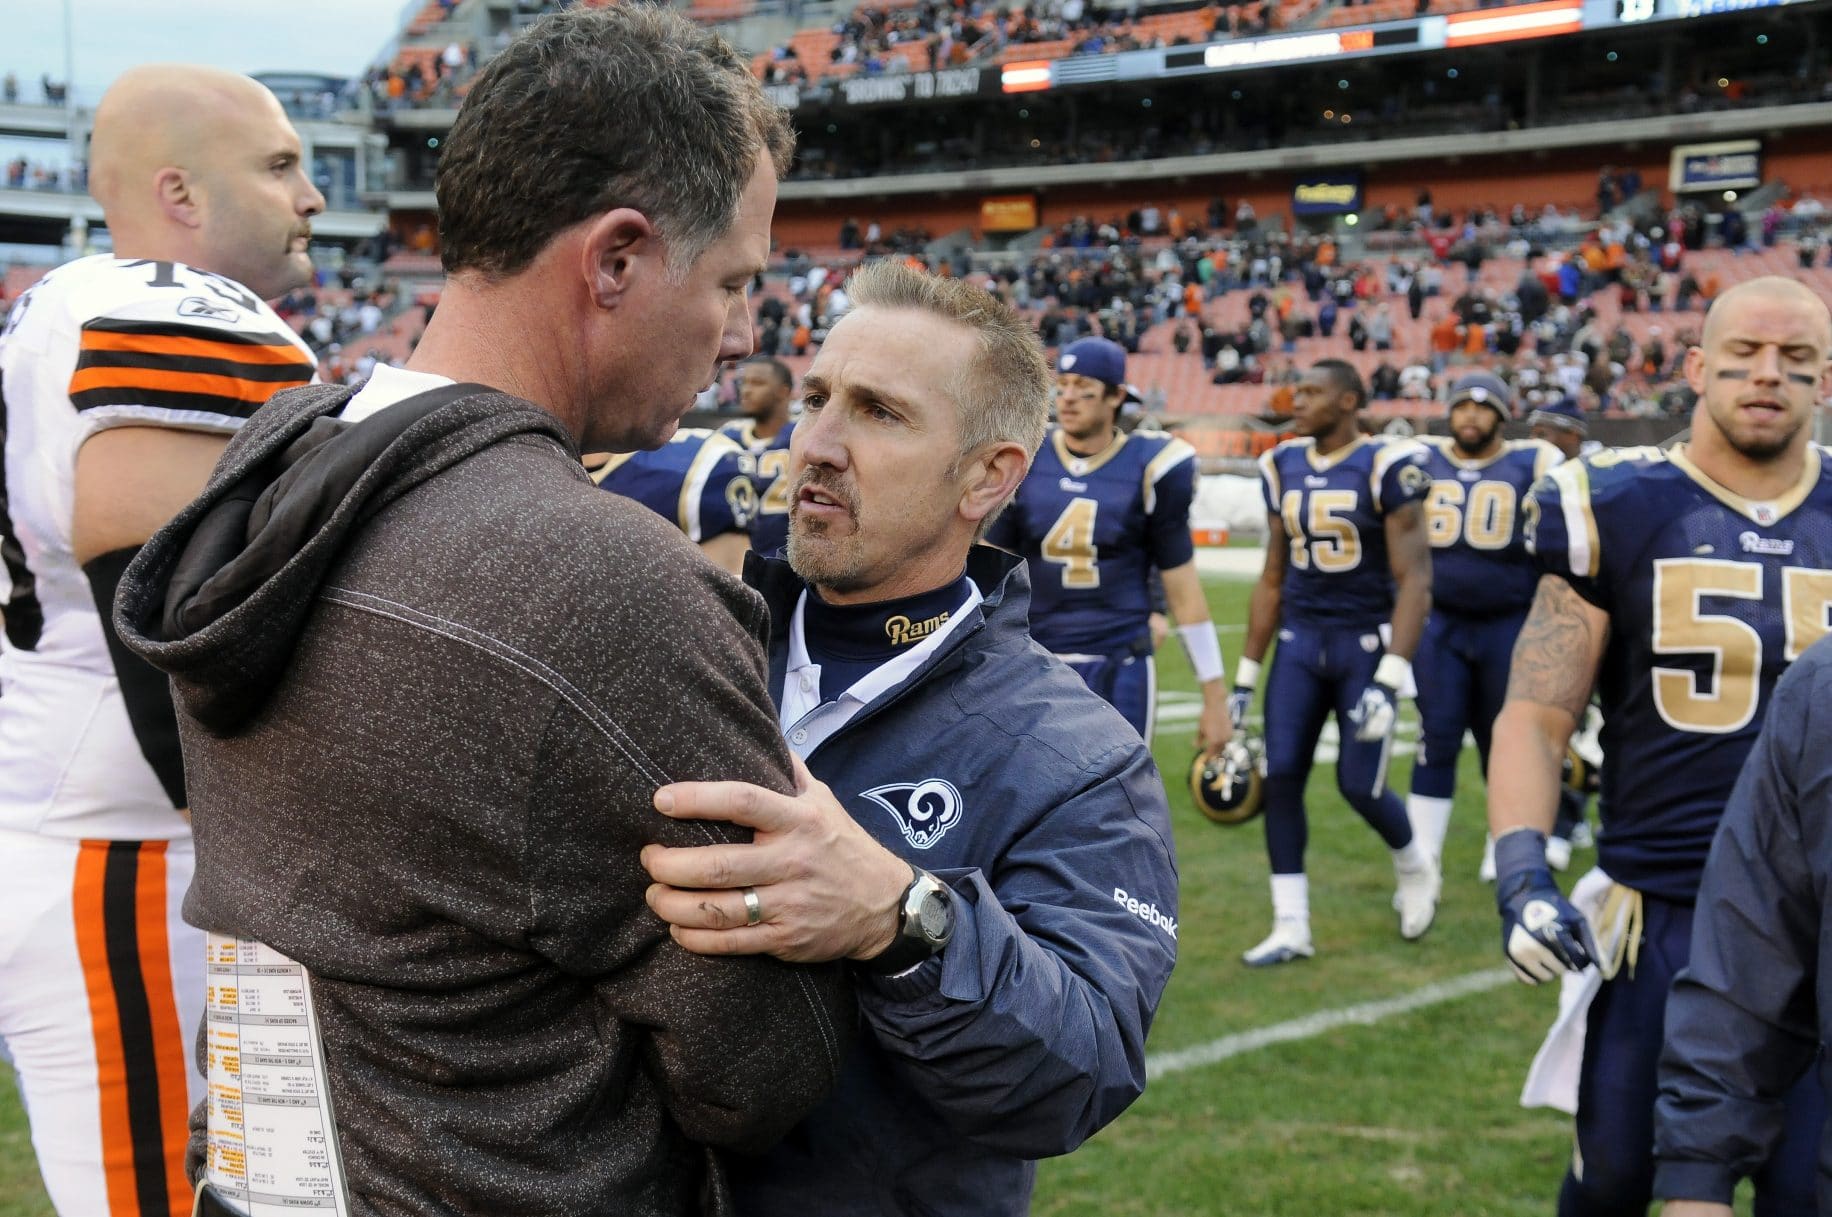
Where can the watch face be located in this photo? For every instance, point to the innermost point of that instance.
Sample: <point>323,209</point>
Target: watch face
<point>936,916</point>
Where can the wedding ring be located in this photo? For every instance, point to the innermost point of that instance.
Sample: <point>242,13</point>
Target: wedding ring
<point>753,907</point>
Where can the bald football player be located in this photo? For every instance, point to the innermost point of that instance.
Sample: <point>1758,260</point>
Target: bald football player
<point>123,378</point>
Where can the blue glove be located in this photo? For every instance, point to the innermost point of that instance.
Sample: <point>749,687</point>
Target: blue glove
<point>1375,713</point>
<point>1238,703</point>
<point>1541,933</point>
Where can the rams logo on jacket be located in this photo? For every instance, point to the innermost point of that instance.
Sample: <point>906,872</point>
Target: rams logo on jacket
<point>925,811</point>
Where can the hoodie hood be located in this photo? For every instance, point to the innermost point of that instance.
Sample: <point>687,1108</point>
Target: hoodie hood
<point>218,597</point>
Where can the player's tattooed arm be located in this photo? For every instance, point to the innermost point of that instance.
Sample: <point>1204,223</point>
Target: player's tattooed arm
<point>1559,650</point>
<point>1555,664</point>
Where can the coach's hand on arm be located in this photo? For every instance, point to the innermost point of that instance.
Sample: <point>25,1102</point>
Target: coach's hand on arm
<point>825,889</point>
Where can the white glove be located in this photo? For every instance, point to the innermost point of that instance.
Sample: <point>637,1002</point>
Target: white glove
<point>1375,713</point>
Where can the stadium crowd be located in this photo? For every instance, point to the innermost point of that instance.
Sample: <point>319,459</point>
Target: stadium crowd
<point>1240,296</point>
<point>954,35</point>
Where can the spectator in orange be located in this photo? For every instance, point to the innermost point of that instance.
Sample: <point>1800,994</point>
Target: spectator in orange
<point>1174,222</point>
<point>1192,299</point>
<point>1444,339</point>
<point>1475,340</point>
<point>1326,253</point>
<point>1280,401</point>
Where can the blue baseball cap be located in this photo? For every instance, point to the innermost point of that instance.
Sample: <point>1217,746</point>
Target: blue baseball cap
<point>1100,359</point>
<point>1565,412</point>
<point>1485,389</point>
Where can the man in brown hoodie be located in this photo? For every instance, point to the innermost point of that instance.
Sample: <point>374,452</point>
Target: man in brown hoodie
<point>429,677</point>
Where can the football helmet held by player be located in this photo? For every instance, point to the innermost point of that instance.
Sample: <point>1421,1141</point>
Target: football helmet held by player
<point>1227,783</point>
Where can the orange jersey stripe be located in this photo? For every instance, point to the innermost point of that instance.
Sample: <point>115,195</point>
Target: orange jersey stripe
<point>168,1036</point>
<point>279,351</point>
<point>105,1026</point>
<point>200,383</point>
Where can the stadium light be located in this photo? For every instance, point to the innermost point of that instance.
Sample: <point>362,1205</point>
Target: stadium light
<point>1030,76</point>
<point>1517,23</point>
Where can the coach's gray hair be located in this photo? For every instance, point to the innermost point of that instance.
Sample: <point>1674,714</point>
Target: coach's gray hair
<point>594,109</point>
<point>1003,395</point>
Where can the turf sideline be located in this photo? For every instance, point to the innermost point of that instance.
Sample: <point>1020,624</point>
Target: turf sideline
<point>1366,1014</point>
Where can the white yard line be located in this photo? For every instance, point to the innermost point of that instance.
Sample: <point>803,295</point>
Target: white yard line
<point>1366,1014</point>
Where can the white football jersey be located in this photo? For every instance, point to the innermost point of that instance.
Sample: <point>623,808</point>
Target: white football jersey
<point>102,342</point>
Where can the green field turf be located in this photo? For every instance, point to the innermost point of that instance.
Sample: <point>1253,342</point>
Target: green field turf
<point>1413,1116</point>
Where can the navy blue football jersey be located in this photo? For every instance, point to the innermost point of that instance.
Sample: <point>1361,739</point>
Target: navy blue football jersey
<point>1334,510</point>
<point>770,526</point>
<point>699,480</point>
<point>1476,524</point>
<point>1710,596</point>
<point>1091,529</point>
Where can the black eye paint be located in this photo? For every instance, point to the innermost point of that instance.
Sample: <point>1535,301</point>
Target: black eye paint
<point>1733,374</point>
<point>1801,378</point>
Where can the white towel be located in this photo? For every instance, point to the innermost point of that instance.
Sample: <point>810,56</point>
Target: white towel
<point>1552,1078</point>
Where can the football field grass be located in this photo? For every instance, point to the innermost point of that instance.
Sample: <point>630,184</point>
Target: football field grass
<point>1396,1108</point>
<point>1413,1115</point>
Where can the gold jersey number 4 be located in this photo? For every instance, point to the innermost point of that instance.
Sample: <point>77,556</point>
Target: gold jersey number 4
<point>1070,544</point>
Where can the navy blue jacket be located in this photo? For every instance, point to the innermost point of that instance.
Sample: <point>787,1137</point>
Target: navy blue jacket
<point>1026,1034</point>
<point>1747,1016</point>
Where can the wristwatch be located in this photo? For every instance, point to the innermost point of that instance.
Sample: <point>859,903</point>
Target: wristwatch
<point>925,922</point>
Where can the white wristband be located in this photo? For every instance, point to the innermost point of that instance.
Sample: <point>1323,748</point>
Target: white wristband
<point>1203,647</point>
<point>1246,673</point>
<point>1393,671</point>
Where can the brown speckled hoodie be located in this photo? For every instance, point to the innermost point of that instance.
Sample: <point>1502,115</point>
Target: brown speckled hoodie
<point>428,677</point>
